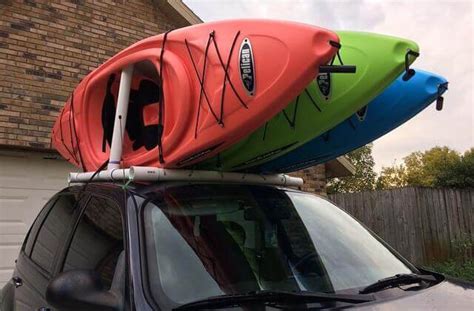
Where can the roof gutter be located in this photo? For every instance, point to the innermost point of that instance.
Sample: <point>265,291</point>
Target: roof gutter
<point>177,9</point>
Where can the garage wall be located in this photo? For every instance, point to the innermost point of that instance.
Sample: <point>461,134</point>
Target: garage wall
<point>27,181</point>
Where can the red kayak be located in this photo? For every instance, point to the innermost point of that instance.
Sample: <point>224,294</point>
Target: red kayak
<point>195,91</point>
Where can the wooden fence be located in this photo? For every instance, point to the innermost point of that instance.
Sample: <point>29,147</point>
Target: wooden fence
<point>424,224</point>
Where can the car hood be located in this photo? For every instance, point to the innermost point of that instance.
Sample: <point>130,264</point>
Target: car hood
<point>451,294</point>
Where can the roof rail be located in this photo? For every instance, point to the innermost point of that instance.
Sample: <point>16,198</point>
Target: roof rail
<point>153,174</point>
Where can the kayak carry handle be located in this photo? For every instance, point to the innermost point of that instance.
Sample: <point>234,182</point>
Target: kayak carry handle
<point>440,100</point>
<point>409,72</point>
<point>337,69</point>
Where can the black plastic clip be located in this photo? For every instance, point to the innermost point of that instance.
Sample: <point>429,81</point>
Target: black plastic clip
<point>440,100</point>
<point>409,72</point>
<point>337,69</point>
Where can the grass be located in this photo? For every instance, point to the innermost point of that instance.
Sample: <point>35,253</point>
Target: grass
<point>456,269</point>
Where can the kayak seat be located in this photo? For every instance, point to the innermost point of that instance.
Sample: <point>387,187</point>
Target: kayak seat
<point>108,114</point>
<point>142,135</point>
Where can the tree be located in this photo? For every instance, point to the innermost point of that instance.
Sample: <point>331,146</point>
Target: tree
<point>392,177</point>
<point>427,168</point>
<point>437,167</point>
<point>413,167</point>
<point>364,177</point>
<point>458,174</point>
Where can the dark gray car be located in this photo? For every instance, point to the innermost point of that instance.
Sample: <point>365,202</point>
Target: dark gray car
<point>212,246</point>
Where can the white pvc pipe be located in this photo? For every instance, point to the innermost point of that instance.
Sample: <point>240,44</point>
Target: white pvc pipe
<point>120,118</point>
<point>141,173</point>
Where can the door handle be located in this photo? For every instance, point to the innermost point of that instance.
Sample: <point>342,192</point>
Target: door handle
<point>17,281</point>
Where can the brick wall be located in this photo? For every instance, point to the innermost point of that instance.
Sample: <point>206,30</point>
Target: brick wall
<point>314,179</point>
<point>47,47</point>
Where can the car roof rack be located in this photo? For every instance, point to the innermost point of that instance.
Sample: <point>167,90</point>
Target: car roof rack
<point>155,174</point>
<point>115,173</point>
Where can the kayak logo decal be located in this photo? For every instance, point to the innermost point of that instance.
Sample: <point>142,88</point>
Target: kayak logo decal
<point>247,66</point>
<point>323,80</point>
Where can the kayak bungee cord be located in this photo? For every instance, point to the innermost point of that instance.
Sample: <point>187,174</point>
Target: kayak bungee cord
<point>201,83</point>
<point>409,72</point>
<point>161,102</point>
<point>338,46</point>
<point>70,127</point>
<point>78,146</point>
<point>312,100</point>
<point>61,135</point>
<point>292,123</point>
<point>226,73</point>
<point>226,69</point>
<point>202,89</point>
<point>265,131</point>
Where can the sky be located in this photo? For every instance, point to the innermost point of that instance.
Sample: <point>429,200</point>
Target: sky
<point>442,29</point>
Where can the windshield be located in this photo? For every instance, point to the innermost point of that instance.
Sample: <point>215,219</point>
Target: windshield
<point>208,240</point>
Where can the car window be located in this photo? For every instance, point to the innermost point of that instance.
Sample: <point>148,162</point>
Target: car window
<point>52,232</point>
<point>232,239</point>
<point>31,235</point>
<point>98,240</point>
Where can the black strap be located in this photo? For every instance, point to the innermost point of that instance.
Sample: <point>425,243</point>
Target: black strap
<point>81,162</point>
<point>201,79</point>
<point>226,73</point>
<point>201,82</point>
<point>265,131</point>
<point>226,69</point>
<point>409,72</point>
<point>312,100</point>
<point>292,122</point>
<point>101,168</point>
<point>61,135</point>
<point>161,103</point>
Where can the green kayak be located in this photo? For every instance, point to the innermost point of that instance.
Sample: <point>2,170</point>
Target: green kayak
<point>326,102</point>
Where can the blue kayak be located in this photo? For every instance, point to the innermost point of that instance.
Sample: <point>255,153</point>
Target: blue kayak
<point>398,103</point>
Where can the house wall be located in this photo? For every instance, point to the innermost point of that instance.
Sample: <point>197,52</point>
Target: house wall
<point>314,179</point>
<point>47,47</point>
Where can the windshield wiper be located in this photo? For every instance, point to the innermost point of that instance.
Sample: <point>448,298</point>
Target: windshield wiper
<point>398,279</point>
<point>222,301</point>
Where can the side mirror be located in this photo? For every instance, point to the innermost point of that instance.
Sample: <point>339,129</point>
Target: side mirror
<point>80,290</point>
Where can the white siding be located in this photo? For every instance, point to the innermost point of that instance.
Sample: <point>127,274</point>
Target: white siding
<point>27,181</point>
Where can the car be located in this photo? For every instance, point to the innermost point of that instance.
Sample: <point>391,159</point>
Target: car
<point>207,245</point>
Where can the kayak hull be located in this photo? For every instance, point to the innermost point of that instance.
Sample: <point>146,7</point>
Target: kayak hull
<point>211,95</point>
<point>400,102</point>
<point>324,103</point>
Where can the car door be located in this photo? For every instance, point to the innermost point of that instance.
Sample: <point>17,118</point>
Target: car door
<point>37,260</point>
<point>97,243</point>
